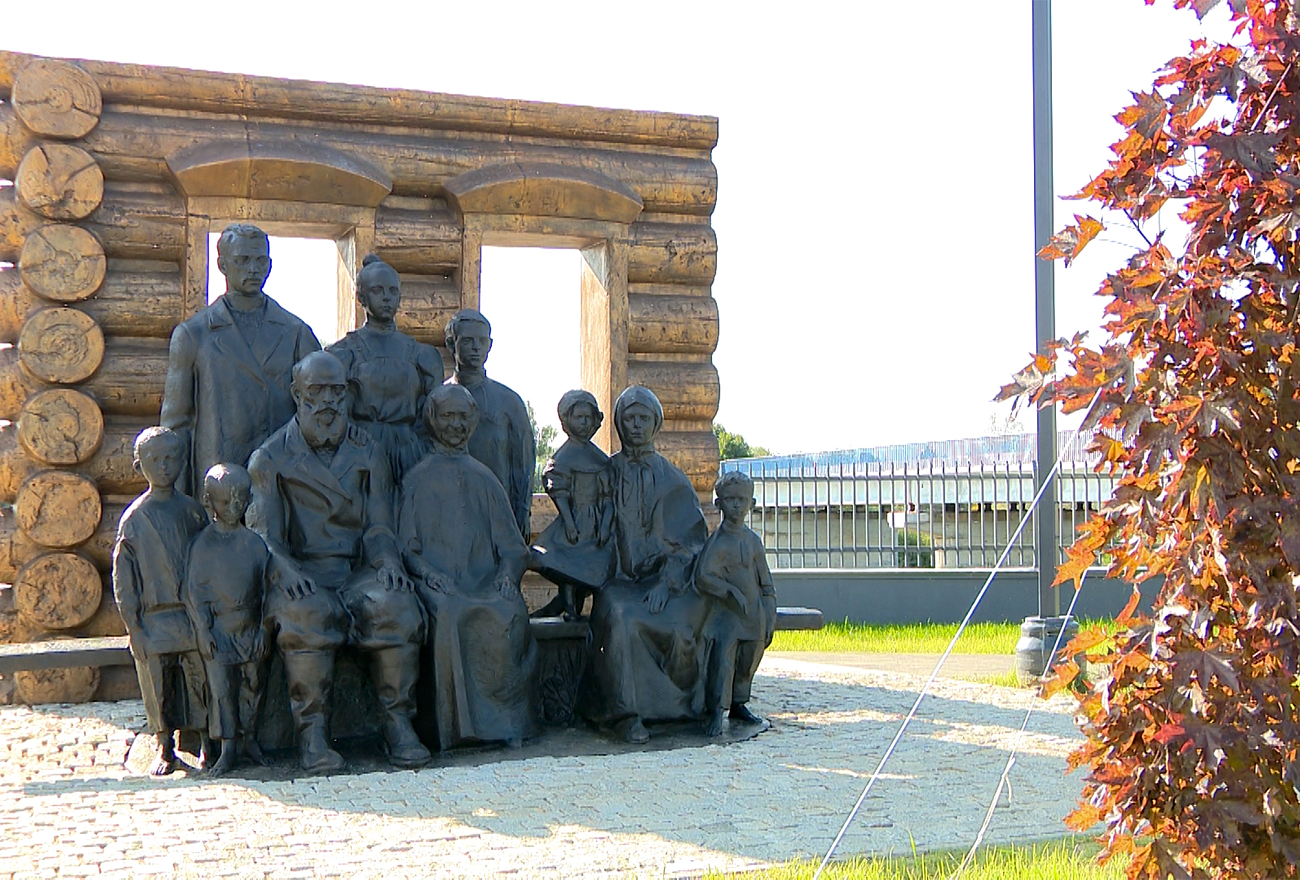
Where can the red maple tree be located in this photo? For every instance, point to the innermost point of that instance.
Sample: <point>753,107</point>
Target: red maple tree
<point>1192,735</point>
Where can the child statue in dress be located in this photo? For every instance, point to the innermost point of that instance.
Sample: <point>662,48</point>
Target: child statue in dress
<point>575,551</point>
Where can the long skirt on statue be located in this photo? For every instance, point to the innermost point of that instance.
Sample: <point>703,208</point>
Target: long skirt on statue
<point>641,664</point>
<point>484,661</point>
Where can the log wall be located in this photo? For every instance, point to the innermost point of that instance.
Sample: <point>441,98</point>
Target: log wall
<point>106,224</point>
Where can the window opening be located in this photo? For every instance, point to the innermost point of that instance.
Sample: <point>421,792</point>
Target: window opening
<point>532,297</point>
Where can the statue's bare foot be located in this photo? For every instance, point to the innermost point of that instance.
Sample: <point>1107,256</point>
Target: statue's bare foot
<point>226,762</point>
<point>254,753</point>
<point>740,712</point>
<point>634,731</point>
<point>715,723</point>
<point>515,742</point>
<point>164,766</point>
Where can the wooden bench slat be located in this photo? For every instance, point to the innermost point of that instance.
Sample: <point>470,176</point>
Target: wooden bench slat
<point>62,653</point>
<point>116,650</point>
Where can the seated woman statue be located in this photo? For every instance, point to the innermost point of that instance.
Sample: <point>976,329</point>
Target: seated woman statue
<point>646,658</point>
<point>460,542</point>
<point>389,373</point>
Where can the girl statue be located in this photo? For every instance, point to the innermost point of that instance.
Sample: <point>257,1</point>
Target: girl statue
<point>389,373</point>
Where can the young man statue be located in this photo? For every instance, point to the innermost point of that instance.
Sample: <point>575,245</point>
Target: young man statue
<point>504,438</point>
<point>228,366</point>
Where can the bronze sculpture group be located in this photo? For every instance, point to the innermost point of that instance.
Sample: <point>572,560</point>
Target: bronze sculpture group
<point>387,511</point>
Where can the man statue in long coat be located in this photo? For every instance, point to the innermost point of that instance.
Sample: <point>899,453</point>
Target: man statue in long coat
<point>228,368</point>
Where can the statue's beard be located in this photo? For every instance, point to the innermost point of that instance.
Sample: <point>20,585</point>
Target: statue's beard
<point>324,425</point>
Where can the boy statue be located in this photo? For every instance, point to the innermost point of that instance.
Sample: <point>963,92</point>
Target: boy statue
<point>224,586</point>
<point>504,438</point>
<point>732,568</point>
<point>149,558</point>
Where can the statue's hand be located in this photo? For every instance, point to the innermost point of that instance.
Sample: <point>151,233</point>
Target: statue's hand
<point>506,587</point>
<point>650,564</point>
<point>571,533</point>
<point>657,598</point>
<point>394,579</point>
<point>741,601</point>
<point>434,582</point>
<point>209,649</point>
<point>297,585</point>
<point>290,579</point>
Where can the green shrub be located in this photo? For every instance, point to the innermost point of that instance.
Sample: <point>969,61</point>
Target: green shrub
<point>913,549</point>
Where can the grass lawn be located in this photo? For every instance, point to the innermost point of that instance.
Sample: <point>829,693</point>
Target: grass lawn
<point>913,638</point>
<point>1070,858</point>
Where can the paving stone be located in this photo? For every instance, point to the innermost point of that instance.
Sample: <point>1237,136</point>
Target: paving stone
<point>68,804</point>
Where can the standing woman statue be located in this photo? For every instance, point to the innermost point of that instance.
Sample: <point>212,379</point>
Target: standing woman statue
<point>389,373</point>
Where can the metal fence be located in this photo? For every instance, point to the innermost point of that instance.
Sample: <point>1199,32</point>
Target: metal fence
<point>908,515</point>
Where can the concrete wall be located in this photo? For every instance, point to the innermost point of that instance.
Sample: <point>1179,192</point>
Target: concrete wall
<point>942,595</point>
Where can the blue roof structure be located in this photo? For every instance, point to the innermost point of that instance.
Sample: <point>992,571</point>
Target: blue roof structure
<point>1000,449</point>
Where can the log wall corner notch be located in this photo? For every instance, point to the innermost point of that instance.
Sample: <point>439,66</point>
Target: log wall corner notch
<point>278,171</point>
<point>539,189</point>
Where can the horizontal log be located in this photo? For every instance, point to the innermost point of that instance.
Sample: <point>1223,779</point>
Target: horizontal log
<point>128,382</point>
<point>61,426</point>
<point>59,181</point>
<point>62,262</point>
<point>14,630</point>
<point>58,509</point>
<point>15,386</point>
<point>687,390</point>
<point>179,89</point>
<point>58,591</point>
<point>672,324</point>
<point>16,549</point>
<point>131,301</point>
<point>130,223</point>
<point>107,620</point>
<point>695,452</point>
<point>15,141</point>
<point>134,147</point>
<point>110,467</point>
<point>140,223</point>
<point>119,683</point>
<point>62,345</point>
<point>74,684</point>
<point>428,302</point>
<point>56,99</point>
<point>664,253</point>
<point>418,241</point>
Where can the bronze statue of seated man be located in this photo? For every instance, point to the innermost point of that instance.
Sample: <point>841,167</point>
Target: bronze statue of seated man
<point>322,501</point>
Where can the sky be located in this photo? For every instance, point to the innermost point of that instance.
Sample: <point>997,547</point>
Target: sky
<point>875,204</point>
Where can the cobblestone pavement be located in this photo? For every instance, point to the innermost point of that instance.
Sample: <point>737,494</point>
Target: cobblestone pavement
<point>69,807</point>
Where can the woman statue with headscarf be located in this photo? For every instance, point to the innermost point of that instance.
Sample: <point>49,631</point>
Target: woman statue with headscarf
<point>646,656</point>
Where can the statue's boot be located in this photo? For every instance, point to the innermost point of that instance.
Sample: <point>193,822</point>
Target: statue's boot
<point>395,671</point>
<point>311,682</point>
